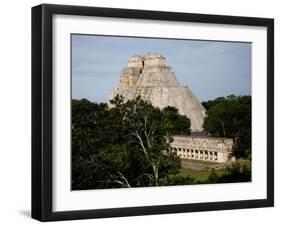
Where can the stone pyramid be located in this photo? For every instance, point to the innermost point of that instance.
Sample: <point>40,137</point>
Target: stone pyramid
<point>148,76</point>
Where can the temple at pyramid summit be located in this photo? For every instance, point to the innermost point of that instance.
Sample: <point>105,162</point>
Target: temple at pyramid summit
<point>149,77</point>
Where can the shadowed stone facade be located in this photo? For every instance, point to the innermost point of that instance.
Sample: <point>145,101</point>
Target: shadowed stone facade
<point>149,77</point>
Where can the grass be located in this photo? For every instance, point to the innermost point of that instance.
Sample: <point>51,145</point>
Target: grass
<point>203,169</point>
<point>199,171</point>
<point>202,162</point>
<point>198,175</point>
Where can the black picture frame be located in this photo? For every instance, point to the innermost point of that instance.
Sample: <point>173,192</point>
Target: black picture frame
<point>42,111</point>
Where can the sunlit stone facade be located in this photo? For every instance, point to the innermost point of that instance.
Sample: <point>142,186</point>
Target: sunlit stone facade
<point>151,78</point>
<point>215,149</point>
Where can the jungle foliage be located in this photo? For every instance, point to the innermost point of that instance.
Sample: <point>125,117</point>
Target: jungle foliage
<point>128,143</point>
<point>125,145</point>
<point>231,117</point>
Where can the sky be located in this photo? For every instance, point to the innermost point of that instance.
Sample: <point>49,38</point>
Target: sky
<point>210,69</point>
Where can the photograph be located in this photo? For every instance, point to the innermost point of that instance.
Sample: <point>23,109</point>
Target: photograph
<point>152,111</point>
<point>144,112</point>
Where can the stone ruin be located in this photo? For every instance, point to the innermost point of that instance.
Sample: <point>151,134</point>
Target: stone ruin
<point>149,77</point>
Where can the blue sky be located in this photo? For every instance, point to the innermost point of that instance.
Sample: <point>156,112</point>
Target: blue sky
<point>210,69</point>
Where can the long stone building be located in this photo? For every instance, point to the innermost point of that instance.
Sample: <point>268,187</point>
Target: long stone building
<point>149,76</point>
<point>204,148</point>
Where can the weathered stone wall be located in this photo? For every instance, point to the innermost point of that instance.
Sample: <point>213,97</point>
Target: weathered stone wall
<point>158,62</point>
<point>148,76</point>
<point>215,149</point>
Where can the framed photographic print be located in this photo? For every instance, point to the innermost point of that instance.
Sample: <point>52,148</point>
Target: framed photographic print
<point>146,112</point>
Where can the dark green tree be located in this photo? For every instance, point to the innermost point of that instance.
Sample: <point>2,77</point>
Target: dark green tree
<point>178,180</point>
<point>231,117</point>
<point>237,173</point>
<point>124,145</point>
<point>148,130</point>
<point>175,123</point>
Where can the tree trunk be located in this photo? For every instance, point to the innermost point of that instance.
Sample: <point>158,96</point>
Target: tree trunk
<point>155,172</point>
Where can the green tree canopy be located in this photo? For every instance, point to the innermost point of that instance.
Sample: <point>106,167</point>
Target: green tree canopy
<point>230,117</point>
<point>236,173</point>
<point>125,145</point>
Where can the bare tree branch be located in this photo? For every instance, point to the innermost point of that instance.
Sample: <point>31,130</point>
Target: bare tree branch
<point>124,178</point>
